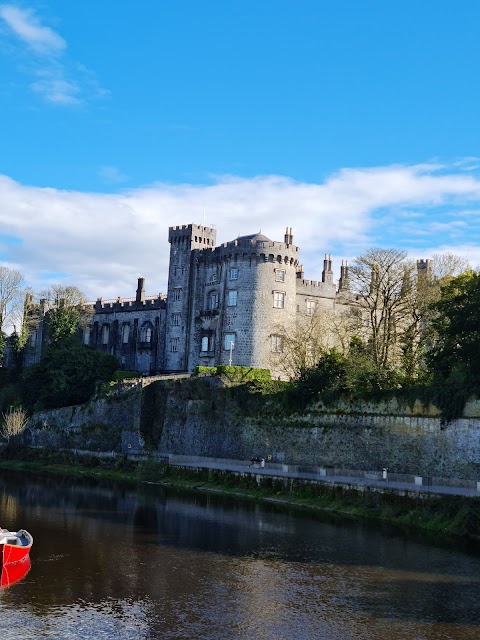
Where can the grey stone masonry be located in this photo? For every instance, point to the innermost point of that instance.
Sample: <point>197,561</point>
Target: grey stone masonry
<point>225,304</point>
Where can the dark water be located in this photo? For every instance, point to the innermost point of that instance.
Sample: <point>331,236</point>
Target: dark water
<point>117,563</point>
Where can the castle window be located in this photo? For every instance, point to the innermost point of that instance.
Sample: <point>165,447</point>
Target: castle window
<point>232,299</point>
<point>229,341</point>
<point>174,344</point>
<point>33,339</point>
<point>177,293</point>
<point>125,333</point>
<point>278,299</point>
<point>213,276</point>
<point>233,274</point>
<point>146,332</point>
<point>86,336</point>
<point>207,343</point>
<point>311,307</point>
<point>176,319</point>
<point>277,343</point>
<point>105,333</point>
<point>213,300</point>
<point>280,275</point>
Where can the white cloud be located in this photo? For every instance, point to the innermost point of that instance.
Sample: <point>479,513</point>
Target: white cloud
<point>58,80</point>
<point>25,25</point>
<point>106,241</point>
<point>55,89</point>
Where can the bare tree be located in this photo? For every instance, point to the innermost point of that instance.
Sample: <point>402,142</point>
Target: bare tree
<point>14,422</point>
<point>300,346</point>
<point>382,280</point>
<point>448,265</point>
<point>11,296</point>
<point>395,297</point>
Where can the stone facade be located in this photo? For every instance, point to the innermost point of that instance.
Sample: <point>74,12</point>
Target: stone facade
<point>199,417</point>
<point>225,304</point>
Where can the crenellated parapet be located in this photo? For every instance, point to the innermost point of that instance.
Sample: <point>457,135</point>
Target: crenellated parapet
<point>130,304</point>
<point>247,247</point>
<point>315,288</point>
<point>198,235</point>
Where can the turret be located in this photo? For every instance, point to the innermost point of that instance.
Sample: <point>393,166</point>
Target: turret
<point>186,242</point>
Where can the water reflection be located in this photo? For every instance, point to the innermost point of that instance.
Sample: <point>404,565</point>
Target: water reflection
<point>162,564</point>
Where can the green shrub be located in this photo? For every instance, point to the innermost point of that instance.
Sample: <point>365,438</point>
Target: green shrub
<point>243,374</point>
<point>120,375</point>
<point>235,373</point>
<point>205,371</point>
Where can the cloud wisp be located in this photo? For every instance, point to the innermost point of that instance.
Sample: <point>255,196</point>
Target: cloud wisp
<point>56,79</point>
<point>25,24</point>
<point>106,241</point>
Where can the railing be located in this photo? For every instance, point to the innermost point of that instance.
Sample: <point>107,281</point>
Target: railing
<point>314,471</point>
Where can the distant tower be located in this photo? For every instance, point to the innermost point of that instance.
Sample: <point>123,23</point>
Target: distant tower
<point>185,242</point>
<point>425,269</point>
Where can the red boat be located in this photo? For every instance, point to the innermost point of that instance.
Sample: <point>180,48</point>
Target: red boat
<point>12,573</point>
<point>14,547</point>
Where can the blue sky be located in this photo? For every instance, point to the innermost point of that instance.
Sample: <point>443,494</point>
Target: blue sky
<point>355,122</point>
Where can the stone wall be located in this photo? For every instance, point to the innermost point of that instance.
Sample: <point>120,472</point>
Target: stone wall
<point>204,418</point>
<point>96,425</point>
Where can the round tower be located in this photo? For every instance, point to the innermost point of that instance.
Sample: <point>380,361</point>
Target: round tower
<point>246,302</point>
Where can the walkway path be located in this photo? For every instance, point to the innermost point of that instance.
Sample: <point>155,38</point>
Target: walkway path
<point>241,466</point>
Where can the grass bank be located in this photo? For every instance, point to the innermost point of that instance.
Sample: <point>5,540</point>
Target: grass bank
<point>444,517</point>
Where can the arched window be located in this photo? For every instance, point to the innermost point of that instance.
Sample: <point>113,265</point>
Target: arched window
<point>125,333</point>
<point>105,333</point>
<point>146,331</point>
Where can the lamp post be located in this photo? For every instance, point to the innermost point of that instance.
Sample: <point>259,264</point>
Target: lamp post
<point>232,344</point>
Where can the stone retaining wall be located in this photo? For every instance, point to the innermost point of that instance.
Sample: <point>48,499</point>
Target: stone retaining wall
<point>201,418</point>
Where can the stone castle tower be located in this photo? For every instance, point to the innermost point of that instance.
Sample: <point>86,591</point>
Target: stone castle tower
<point>186,242</point>
<point>225,304</point>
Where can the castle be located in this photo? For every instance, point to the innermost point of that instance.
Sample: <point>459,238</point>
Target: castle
<point>226,304</point>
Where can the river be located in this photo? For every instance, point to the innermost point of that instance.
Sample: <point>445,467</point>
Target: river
<point>114,562</point>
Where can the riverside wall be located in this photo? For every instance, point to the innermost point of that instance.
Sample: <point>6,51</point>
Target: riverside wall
<point>205,418</point>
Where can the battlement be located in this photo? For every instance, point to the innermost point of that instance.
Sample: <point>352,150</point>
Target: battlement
<point>315,287</point>
<point>193,233</point>
<point>424,264</point>
<point>129,304</point>
<point>261,244</point>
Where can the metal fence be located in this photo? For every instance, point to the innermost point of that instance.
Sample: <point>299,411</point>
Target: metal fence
<point>318,472</point>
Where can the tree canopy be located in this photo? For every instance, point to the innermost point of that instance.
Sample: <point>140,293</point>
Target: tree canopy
<point>67,374</point>
<point>67,311</point>
<point>455,356</point>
